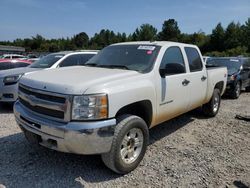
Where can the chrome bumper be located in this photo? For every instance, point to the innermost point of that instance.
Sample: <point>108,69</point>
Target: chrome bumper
<point>94,137</point>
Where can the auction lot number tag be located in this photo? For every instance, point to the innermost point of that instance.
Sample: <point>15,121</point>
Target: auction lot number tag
<point>151,48</point>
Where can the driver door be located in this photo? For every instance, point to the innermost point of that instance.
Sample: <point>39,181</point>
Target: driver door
<point>172,91</point>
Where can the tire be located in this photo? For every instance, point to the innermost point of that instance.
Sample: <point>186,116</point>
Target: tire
<point>211,108</point>
<point>236,92</point>
<point>248,89</point>
<point>129,131</point>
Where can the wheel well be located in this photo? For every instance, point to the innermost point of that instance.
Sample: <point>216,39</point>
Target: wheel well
<point>143,109</point>
<point>219,86</point>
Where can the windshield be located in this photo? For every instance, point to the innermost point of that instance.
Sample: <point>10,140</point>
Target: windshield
<point>233,65</point>
<point>139,58</point>
<point>47,61</point>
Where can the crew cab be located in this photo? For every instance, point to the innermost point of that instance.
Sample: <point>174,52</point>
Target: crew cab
<point>108,106</point>
<point>9,78</point>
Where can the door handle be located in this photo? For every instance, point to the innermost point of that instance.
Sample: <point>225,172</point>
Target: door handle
<point>185,82</point>
<point>203,78</point>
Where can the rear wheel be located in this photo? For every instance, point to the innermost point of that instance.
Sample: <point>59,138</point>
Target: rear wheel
<point>129,144</point>
<point>236,91</point>
<point>212,107</point>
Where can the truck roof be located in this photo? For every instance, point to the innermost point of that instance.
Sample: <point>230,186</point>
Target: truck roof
<point>158,43</point>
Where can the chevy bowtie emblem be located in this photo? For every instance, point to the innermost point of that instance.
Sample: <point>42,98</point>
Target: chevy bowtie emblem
<point>32,100</point>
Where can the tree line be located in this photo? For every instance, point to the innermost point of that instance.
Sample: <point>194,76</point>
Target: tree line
<point>233,40</point>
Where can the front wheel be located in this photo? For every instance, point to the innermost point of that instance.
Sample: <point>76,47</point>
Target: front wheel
<point>212,107</point>
<point>129,144</point>
<point>248,89</point>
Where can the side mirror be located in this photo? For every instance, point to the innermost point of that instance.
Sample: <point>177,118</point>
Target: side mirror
<point>172,68</point>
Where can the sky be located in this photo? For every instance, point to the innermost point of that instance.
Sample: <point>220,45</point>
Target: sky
<point>65,18</point>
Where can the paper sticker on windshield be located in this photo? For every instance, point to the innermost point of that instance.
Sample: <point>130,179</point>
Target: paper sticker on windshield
<point>235,60</point>
<point>151,48</point>
<point>58,56</point>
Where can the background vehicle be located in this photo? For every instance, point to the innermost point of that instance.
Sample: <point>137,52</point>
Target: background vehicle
<point>238,73</point>
<point>33,57</point>
<point>107,106</point>
<point>12,56</point>
<point>14,63</point>
<point>10,78</point>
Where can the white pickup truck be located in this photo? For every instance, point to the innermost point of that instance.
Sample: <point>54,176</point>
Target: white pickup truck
<point>108,106</point>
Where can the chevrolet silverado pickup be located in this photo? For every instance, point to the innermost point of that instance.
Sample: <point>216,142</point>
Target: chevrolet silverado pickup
<point>108,106</point>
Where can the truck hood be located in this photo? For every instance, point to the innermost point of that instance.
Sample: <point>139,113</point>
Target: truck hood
<point>73,80</point>
<point>16,71</point>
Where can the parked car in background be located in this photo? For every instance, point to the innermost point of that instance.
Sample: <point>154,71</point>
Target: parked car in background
<point>107,106</point>
<point>238,73</point>
<point>13,63</point>
<point>10,78</point>
<point>33,57</point>
<point>12,56</point>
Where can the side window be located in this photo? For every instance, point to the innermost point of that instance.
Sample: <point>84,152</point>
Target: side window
<point>173,55</point>
<point>84,58</point>
<point>194,59</point>
<point>70,61</point>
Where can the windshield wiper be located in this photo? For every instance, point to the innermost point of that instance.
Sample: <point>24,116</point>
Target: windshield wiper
<point>115,66</point>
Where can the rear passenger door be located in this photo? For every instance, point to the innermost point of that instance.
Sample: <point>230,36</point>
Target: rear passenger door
<point>197,78</point>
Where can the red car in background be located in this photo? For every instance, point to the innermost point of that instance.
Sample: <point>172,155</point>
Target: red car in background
<point>13,63</point>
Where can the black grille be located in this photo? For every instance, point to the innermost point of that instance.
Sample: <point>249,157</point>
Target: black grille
<point>41,110</point>
<point>42,96</point>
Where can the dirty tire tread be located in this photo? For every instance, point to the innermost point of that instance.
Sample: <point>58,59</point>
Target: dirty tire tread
<point>208,107</point>
<point>107,158</point>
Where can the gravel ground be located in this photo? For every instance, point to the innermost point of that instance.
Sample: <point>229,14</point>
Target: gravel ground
<point>189,151</point>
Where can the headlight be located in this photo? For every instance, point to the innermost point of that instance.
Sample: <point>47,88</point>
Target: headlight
<point>87,107</point>
<point>233,77</point>
<point>12,79</point>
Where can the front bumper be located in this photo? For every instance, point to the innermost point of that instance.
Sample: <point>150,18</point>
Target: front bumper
<point>93,137</point>
<point>8,93</point>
